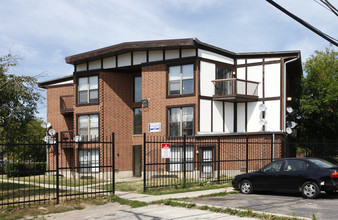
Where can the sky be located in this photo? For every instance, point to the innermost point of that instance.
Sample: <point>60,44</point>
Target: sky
<point>44,32</point>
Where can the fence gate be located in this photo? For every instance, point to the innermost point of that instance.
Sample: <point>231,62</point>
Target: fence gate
<point>59,170</point>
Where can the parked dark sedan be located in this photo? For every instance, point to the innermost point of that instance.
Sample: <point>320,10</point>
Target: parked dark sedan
<point>306,175</point>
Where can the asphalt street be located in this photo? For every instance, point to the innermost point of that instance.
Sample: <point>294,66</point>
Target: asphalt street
<point>325,207</point>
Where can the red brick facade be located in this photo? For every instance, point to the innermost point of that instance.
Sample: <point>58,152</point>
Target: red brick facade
<point>115,106</point>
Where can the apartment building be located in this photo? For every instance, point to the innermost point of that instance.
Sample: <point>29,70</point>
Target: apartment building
<point>170,88</point>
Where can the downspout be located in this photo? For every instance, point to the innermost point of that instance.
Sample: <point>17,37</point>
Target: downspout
<point>284,109</point>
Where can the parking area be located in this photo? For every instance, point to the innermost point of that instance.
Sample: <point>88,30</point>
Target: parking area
<point>287,204</point>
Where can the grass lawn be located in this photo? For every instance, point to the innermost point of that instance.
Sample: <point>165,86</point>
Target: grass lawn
<point>14,192</point>
<point>137,187</point>
<point>35,210</point>
<point>49,179</point>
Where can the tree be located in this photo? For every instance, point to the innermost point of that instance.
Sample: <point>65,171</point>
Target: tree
<point>18,103</point>
<point>319,99</point>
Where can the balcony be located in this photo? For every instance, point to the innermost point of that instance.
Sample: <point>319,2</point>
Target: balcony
<point>67,140</point>
<point>66,104</point>
<point>235,90</point>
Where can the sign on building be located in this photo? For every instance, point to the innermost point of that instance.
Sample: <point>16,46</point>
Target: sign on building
<point>165,150</point>
<point>154,127</point>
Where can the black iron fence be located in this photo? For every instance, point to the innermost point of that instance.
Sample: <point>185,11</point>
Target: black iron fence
<point>322,148</point>
<point>183,161</point>
<point>201,160</point>
<point>39,172</point>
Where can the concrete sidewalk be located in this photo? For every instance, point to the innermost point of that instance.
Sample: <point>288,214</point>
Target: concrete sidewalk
<point>150,212</point>
<point>151,198</point>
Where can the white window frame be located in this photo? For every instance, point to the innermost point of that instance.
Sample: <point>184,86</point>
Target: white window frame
<point>176,158</point>
<point>89,160</point>
<point>181,80</point>
<point>87,136</point>
<point>180,119</point>
<point>87,89</point>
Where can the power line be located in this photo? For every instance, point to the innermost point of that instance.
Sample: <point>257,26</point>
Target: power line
<point>327,5</point>
<point>304,23</point>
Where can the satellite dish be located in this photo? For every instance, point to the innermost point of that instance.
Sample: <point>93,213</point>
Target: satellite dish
<point>289,109</point>
<point>288,130</point>
<point>51,132</point>
<point>262,121</point>
<point>291,124</point>
<point>44,124</point>
<point>45,139</point>
<point>262,107</point>
<point>49,124</point>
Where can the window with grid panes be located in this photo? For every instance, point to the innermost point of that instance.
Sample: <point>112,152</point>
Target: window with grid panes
<point>176,158</point>
<point>181,121</point>
<point>89,127</point>
<point>89,160</point>
<point>181,79</point>
<point>88,90</point>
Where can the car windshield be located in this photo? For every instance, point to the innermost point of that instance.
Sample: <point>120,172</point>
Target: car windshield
<point>322,163</point>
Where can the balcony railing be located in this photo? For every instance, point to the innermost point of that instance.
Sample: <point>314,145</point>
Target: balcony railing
<point>67,139</point>
<point>235,90</point>
<point>66,104</point>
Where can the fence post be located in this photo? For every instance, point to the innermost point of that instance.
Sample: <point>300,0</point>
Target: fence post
<point>324,148</point>
<point>247,154</point>
<point>272,148</point>
<point>184,161</point>
<point>57,168</point>
<point>144,162</point>
<point>307,146</point>
<point>219,159</point>
<point>113,158</point>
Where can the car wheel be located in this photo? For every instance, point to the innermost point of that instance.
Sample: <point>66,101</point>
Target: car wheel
<point>246,187</point>
<point>310,190</point>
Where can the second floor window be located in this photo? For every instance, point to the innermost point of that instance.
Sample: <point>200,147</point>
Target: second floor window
<point>181,79</point>
<point>137,89</point>
<point>89,127</point>
<point>88,90</point>
<point>181,121</point>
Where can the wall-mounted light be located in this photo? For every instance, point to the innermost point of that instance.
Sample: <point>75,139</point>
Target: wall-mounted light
<point>289,99</point>
<point>144,103</point>
<point>117,154</point>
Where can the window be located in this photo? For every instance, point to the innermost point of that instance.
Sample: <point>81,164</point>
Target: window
<point>176,158</point>
<point>89,127</point>
<point>89,160</point>
<point>295,165</point>
<point>88,90</point>
<point>181,79</point>
<point>137,89</point>
<point>137,120</point>
<point>181,121</point>
<point>273,167</point>
<point>222,86</point>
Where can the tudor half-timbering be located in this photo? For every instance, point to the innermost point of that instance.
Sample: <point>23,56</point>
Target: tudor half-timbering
<point>176,87</point>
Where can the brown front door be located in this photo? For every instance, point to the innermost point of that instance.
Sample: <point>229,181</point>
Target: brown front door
<point>137,160</point>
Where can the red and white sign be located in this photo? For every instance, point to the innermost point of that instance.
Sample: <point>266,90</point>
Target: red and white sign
<point>165,150</point>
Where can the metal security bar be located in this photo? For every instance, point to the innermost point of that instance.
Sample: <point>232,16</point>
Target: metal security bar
<point>199,160</point>
<point>195,160</point>
<point>39,172</point>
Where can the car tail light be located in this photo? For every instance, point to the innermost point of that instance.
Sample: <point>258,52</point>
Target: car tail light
<point>334,175</point>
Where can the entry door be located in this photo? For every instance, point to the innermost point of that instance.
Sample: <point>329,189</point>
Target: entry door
<point>207,165</point>
<point>137,158</point>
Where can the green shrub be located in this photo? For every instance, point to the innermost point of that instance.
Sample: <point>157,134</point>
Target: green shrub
<point>18,169</point>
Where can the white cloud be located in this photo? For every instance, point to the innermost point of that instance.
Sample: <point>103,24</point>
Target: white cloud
<point>44,32</point>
